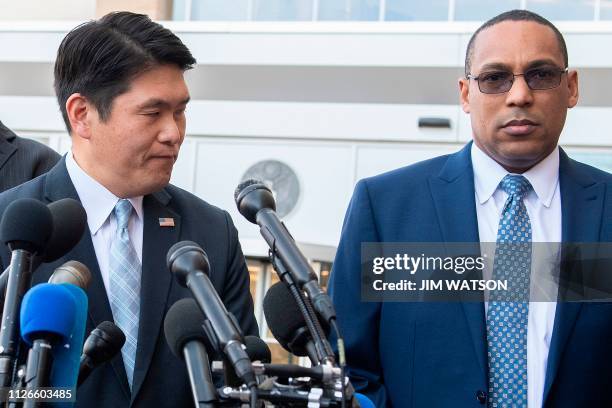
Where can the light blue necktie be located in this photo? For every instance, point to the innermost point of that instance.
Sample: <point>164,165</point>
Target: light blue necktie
<point>507,314</point>
<point>124,282</point>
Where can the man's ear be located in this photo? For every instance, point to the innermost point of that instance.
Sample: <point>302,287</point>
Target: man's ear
<point>79,112</point>
<point>464,94</point>
<point>572,85</point>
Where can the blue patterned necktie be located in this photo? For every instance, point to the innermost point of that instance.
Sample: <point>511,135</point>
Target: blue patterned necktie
<point>124,283</point>
<point>507,314</point>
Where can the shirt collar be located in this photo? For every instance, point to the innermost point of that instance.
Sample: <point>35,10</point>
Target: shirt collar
<point>96,199</point>
<point>544,176</point>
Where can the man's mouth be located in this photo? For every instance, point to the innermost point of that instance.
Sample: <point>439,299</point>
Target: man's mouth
<point>519,127</point>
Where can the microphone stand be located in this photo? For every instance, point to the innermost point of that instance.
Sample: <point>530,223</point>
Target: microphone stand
<point>204,392</point>
<point>323,348</point>
<point>324,351</point>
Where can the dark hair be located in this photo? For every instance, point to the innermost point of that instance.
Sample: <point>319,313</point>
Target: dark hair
<point>514,15</point>
<point>99,59</point>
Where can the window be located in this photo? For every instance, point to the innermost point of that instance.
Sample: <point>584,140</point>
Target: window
<point>354,10</point>
<point>402,10</point>
<point>478,10</point>
<point>282,10</point>
<point>556,10</point>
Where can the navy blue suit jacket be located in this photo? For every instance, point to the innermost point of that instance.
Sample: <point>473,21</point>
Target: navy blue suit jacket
<point>160,379</point>
<point>435,354</point>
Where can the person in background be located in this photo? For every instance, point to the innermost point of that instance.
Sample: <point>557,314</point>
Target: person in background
<point>22,159</point>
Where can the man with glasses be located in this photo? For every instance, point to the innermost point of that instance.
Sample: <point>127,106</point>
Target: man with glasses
<point>511,184</point>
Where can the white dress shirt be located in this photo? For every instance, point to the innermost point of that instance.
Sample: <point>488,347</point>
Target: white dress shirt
<point>543,205</point>
<point>99,203</point>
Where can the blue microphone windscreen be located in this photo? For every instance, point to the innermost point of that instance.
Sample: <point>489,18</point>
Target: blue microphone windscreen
<point>47,309</point>
<point>66,359</point>
<point>364,402</point>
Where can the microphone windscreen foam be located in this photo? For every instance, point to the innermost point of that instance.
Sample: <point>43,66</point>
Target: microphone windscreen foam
<point>282,314</point>
<point>183,323</point>
<point>26,224</point>
<point>257,349</point>
<point>48,309</point>
<point>66,359</point>
<point>364,402</point>
<point>69,223</point>
<point>104,342</point>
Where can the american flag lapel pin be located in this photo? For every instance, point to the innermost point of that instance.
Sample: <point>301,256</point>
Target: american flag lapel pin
<point>166,222</point>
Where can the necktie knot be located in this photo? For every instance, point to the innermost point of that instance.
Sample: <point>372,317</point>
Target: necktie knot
<point>123,209</point>
<point>515,185</point>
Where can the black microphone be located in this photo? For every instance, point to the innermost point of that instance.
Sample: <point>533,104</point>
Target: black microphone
<point>287,323</point>
<point>69,222</point>
<point>256,203</point>
<point>104,343</point>
<point>189,264</point>
<point>257,349</point>
<point>25,227</point>
<point>183,327</point>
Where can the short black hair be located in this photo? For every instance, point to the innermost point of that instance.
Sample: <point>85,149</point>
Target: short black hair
<point>100,58</point>
<point>514,15</point>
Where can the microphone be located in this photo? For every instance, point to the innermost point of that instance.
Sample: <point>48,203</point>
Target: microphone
<point>69,222</point>
<point>48,316</point>
<point>257,349</point>
<point>363,401</point>
<point>183,327</point>
<point>66,359</point>
<point>256,203</point>
<point>75,277</point>
<point>103,343</point>
<point>287,323</point>
<point>25,227</point>
<point>189,264</point>
<point>73,272</point>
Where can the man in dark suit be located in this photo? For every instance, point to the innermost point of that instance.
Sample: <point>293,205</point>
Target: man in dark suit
<point>22,159</point>
<point>517,90</point>
<point>119,82</point>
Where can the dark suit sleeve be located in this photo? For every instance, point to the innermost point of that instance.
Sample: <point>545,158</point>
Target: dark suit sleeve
<point>236,295</point>
<point>29,160</point>
<point>358,321</point>
<point>45,159</point>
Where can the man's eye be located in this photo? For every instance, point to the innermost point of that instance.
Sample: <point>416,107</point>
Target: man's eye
<point>543,73</point>
<point>494,76</point>
<point>154,113</point>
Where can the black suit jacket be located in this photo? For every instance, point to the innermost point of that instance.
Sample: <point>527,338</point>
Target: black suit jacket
<point>22,159</point>
<point>160,379</point>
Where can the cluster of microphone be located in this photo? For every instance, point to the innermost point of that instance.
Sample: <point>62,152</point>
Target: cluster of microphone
<point>202,333</point>
<point>42,336</point>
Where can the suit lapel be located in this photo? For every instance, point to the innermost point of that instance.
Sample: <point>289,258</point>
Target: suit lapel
<point>156,280</point>
<point>58,185</point>
<point>6,148</point>
<point>454,200</point>
<point>581,213</point>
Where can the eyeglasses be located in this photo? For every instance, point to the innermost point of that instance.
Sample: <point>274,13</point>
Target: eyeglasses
<point>496,82</point>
